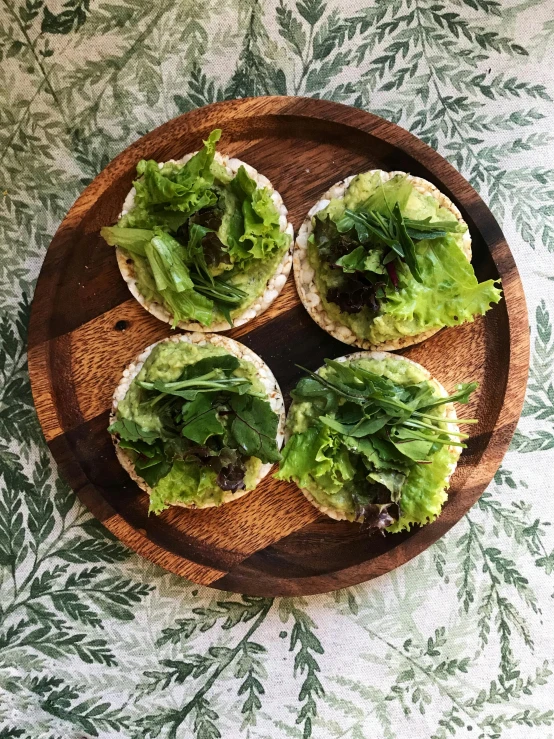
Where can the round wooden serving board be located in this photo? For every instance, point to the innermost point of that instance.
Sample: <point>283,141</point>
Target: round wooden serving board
<point>85,327</point>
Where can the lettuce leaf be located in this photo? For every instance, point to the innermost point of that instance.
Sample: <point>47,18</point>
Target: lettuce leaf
<point>132,239</point>
<point>197,172</point>
<point>424,492</point>
<point>448,295</point>
<point>254,231</point>
<point>165,257</point>
<point>316,455</point>
<point>188,306</point>
<point>367,192</point>
<point>186,189</point>
<point>300,457</point>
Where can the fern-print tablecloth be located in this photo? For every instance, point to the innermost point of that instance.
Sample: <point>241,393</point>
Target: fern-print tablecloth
<point>96,642</point>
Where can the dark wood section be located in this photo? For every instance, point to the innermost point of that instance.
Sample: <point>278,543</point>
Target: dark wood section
<point>85,327</point>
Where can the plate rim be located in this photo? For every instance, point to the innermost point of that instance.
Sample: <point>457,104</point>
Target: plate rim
<point>449,181</point>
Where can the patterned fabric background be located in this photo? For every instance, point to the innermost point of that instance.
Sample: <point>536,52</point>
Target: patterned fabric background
<point>96,642</point>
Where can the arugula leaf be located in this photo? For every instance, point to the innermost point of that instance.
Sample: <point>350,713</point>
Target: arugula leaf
<point>462,395</point>
<point>226,362</point>
<point>131,431</point>
<point>194,251</point>
<point>200,420</point>
<point>152,472</point>
<point>308,389</point>
<point>254,427</point>
<point>410,446</point>
<point>212,382</point>
<point>342,428</point>
<point>224,295</point>
<point>373,406</point>
<point>351,220</point>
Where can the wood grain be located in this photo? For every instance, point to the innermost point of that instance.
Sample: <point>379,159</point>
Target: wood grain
<point>85,328</point>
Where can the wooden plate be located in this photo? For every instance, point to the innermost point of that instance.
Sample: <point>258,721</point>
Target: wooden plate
<point>85,327</point>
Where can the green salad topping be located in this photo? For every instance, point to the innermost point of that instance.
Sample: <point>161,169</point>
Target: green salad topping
<point>369,438</point>
<point>203,244</point>
<point>196,423</point>
<point>388,262</point>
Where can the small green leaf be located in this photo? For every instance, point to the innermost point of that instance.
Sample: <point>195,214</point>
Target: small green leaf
<point>200,420</point>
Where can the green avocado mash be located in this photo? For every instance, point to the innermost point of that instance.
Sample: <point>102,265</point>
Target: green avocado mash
<point>204,244</point>
<point>196,423</point>
<point>365,279</point>
<point>383,456</point>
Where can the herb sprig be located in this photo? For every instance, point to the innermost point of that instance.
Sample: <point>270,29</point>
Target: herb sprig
<point>224,295</point>
<point>400,412</point>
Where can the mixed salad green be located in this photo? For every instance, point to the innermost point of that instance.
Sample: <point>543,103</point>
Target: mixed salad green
<point>203,244</point>
<point>368,438</point>
<point>196,423</point>
<point>389,263</point>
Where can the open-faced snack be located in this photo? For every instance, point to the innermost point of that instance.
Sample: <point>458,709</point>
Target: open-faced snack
<point>373,437</point>
<point>383,261</point>
<point>203,243</point>
<point>197,421</point>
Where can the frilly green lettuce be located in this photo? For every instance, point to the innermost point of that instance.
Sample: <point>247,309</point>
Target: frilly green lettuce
<point>254,231</point>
